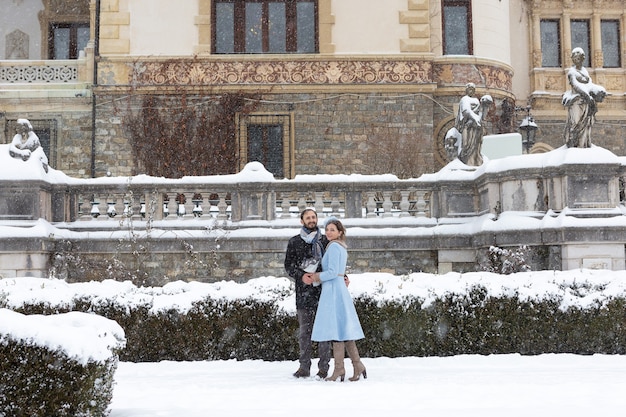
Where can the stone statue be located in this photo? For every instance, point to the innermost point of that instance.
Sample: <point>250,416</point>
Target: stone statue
<point>581,102</point>
<point>26,142</point>
<point>469,125</point>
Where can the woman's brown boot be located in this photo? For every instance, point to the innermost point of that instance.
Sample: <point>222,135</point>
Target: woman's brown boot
<point>339,352</point>
<point>359,368</point>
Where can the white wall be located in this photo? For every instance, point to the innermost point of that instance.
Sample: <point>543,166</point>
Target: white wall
<point>152,31</point>
<point>21,15</point>
<point>520,57</point>
<point>368,26</point>
<point>491,29</point>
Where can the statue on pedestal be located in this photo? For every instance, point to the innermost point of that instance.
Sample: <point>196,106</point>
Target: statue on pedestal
<point>468,127</point>
<point>581,102</point>
<point>26,142</point>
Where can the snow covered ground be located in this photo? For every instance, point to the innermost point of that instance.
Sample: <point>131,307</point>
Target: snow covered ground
<point>561,385</point>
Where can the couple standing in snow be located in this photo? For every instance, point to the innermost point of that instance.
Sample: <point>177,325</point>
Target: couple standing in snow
<point>325,309</point>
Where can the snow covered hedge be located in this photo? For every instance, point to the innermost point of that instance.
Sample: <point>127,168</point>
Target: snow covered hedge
<point>59,365</point>
<point>413,315</point>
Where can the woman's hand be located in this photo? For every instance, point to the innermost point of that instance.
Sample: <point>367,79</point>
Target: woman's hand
<point>307,278</point>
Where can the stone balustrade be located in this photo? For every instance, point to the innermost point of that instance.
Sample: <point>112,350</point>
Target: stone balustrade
<point>567,205</point>
<point>187,199</point>
<point>32,72</point>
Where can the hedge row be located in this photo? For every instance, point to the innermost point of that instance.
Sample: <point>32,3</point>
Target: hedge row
<point>472,323</point>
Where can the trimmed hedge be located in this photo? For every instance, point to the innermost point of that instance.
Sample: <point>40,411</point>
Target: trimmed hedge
<point>39,382</point>
<point>471,323</point>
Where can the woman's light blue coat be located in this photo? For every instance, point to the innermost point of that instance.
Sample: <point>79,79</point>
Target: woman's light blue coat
<point>336,317</point>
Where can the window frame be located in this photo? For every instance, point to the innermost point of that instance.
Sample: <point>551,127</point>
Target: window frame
<point>470,36</point>
<point>587,48</point>
<point>559,53</point>
<point>619,44</point>
<point>239,30</point>
<point>288,149</point>
<point>73,27</point>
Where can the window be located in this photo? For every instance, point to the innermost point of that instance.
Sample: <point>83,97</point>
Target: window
<point>264,26</point>
<point>265,145</point>
<point>457,27</point>
<point>580,38</point>
<point>550,43</point>
<point>267,138</point>
<point>66,40</point>
<point>610,43</point>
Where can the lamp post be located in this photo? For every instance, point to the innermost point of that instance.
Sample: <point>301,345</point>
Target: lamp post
<point>528,127</point>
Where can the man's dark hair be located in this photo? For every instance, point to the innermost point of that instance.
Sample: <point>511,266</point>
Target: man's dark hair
<point>305,211</point>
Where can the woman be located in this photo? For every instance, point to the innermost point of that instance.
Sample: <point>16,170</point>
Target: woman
<point>469,124</point>
<point>581,102</point>
<point>336,317</point>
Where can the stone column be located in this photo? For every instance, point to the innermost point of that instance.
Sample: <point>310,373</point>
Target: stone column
<point>536,40</point>
<point>596,59</point>
<point>567,39</point>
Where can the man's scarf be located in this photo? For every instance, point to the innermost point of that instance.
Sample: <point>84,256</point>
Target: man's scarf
<point>313,238</point>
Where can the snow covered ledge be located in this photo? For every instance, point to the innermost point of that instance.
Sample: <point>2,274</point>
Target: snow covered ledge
<point>57,365</point>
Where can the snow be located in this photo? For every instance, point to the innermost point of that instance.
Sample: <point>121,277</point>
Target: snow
<point>474,385</point>
<point>467,385</point>
<point>81,336</point>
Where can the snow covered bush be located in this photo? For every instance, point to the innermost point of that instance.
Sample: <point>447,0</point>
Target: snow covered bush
<point>60,365</point>
<point>506,261</point>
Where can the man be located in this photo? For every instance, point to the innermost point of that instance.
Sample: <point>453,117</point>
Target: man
<point>304,254</point>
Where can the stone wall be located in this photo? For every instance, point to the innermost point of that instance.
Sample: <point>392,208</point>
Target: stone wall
<point>332,133</point>
<point>608,134</point>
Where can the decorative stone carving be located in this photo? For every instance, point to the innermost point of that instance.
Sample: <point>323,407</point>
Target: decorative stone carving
<point>17,45</point>
<point>47,73</point>
<point>289,72</point>
<point>26,143</point>
<point>581,102</point>
<point>467,134</point>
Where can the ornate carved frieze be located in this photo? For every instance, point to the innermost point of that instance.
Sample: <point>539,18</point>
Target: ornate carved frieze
<point>179,72</point>
<point>482,75</point>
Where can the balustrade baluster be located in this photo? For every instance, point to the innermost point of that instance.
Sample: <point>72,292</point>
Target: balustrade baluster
<point>319,203</point>
<point>148,206</point>
<point>387,204</point>
<point>168,203</point>
<point>128,208</point>
<point>181,210</point>
<point>404,203</point>
<point>285,206</point>
<point>95,210</point>
<point>111,211</point>
<point>371,204</point>
<point>335,205</point>
<point>101,203</point>
<point>197,205</point>
<point>301,204</point>
<point>222,206</point>
<point>137,206</point>
<point>420,205</point>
